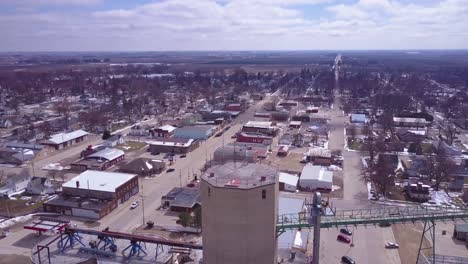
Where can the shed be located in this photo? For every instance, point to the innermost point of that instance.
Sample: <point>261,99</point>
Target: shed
<point>288,181</point>
<point>358,118</point>
<point>316,177</point>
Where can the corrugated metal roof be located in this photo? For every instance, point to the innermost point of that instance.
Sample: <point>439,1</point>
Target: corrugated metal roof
<point>107,154</point>
<point>312,172</point>
<point>287,178</point>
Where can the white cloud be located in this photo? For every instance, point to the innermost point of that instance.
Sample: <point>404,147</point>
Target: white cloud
<point>50,2</point>
<point>242,24</point>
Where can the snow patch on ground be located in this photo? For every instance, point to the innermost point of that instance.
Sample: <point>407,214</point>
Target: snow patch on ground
<point>335,187</point>
<point>334,168</point>
<point>440,198</point>
<point>20,219</point>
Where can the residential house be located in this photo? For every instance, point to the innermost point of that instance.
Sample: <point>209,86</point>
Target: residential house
<point>113,141</point>
<point>181,199</point>
<point>319,156</point>
<point>411,135</point>
<point>40,186</point>
<point>15,183</point>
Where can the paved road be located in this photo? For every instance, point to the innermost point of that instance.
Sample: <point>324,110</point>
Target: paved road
<point>368,242</point>
<point>124,219</point>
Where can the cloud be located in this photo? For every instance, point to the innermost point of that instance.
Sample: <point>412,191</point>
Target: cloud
<point>49,2</point>
<point>241,24</point>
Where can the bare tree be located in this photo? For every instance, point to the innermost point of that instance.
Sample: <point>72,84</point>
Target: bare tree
<point>381,175</point>
<point>352,132</point>
<point>63,108</point>
<point>374,146</point>
<point>450,132</point>
<point>438,167</point>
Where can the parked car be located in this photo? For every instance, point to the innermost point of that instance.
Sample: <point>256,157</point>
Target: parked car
<point>170,170</point>
<point>134,205</point>
<point>183,156</point>
<point>346,231</point>
<point>155,153</point>
<point>343,238</point>
<point>219,134</point>
<point>391,245</point>
<point>347,260</point>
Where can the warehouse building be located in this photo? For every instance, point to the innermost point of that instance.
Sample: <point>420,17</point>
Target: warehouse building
<point>194,132</point>
<point>288,182</point>
<point>93,194</point>
<point>63,140</point>
<point>100,160</point>
<point>315,178</point>
<point>172,145</point>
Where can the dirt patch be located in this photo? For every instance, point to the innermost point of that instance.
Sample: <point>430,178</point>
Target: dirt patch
<point>408,237</point>
<point>290,163</point>
<point>14,259</point>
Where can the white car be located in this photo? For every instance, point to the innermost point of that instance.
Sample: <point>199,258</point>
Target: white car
<point>391,245</point>
<point>134,205</point>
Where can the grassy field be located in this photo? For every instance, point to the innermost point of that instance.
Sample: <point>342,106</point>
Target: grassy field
<point>18,207</point>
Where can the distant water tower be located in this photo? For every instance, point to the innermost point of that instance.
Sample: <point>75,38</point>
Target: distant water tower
<point>239,210</point>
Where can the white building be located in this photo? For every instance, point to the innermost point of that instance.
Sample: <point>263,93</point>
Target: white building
<point>316,177</point>
<point>288,181</point>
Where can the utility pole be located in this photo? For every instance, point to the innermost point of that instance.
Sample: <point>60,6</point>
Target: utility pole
<point>180,177</point>
<point>143,202</point>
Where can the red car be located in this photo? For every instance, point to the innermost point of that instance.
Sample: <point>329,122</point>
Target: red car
<point>343,238</point>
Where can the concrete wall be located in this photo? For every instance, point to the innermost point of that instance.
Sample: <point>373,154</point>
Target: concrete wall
<point>239,226</point>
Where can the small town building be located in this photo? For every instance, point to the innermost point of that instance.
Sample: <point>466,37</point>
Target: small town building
<point>283,150</point>
<point>303,117</point>
<point>194,132</point>
<point>15,183</point>
<point>409,122</point>
<point>315,178</point>
<point>319,156</point>
<point>93,194</point>
<point>172,145</point>
<point>418,192</point>
<point>358,118</point>
<point>181,199</point>
<point>258,138</point>
<point>144,166</point>
<point>260,149</point>
<point>234,107</point>
<point>235,153</point>
<point>262,115</point>
<point>288,182</point>
<point>113,141</point>
<point>295,124</point>
<point>163,131</point>
<point>40,186</point>
<point>411,135</point>
<point>460,232</point>
<point>279,116</point>
<point>262,127</point>
<point>100,160</point>
<point>63,140</point>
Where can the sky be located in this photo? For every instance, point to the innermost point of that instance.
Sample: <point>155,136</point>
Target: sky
<point>171,25</point>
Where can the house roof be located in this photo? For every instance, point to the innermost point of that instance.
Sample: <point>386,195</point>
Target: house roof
<point>319,152</point>
<point>203,129</point>
<point>64,137</point>
<point>312,172</point>
<point>259,124</point>
<point>358,117</point>
<point>288,178</point>
<point>107,154</point>
<point>409,120</point>
<point>143,165</point>
<point>99,180</point>
<point>183,197</point>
